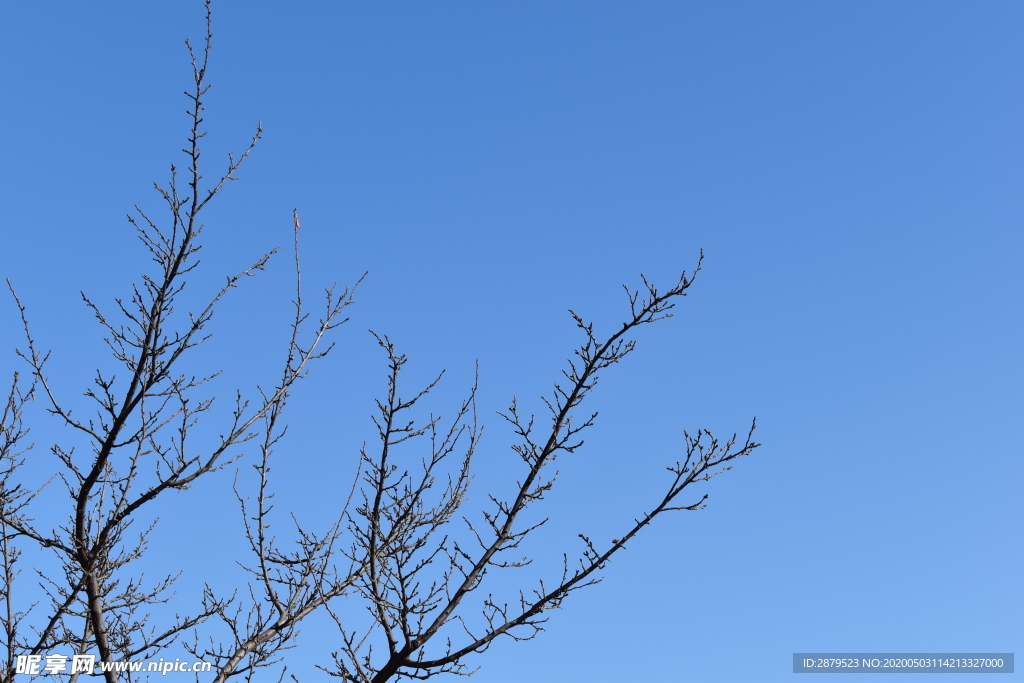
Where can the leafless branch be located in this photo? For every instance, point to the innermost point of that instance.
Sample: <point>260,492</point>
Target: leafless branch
<point>399,545</point>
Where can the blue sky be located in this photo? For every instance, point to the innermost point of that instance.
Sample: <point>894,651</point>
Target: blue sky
<point>852,171</point>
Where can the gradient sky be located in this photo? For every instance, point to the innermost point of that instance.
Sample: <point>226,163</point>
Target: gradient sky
<point>851,169</point>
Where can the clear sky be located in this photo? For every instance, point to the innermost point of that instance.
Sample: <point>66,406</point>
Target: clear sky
<point>853,171</point>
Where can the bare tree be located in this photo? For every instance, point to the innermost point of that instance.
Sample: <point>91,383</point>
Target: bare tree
<point>400,547</point>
